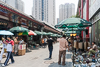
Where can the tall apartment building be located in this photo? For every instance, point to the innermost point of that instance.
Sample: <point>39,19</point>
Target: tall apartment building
<point>18,4</point>
<point>44,10</point>
<point>66,11</point>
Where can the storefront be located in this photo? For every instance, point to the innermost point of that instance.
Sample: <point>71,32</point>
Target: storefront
<point>96,28</point>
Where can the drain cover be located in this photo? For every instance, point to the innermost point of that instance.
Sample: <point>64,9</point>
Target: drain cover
<point>48,62</point>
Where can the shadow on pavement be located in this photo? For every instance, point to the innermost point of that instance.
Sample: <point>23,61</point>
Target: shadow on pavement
<point>46,59</point>
<point>68,64</point>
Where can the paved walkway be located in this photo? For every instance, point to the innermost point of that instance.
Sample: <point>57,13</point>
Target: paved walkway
<point>38,58</point>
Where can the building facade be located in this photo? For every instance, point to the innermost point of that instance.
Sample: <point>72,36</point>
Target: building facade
<point>18,4</point>
<point>44,10</point>
<point>66,11</point>
<point>90,10</point>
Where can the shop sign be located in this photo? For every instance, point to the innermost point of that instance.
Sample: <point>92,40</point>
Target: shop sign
<point>3,23</point>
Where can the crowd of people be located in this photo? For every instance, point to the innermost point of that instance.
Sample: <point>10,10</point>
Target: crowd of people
<point>10,47</point>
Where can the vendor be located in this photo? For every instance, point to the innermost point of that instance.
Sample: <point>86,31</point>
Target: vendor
<point>21,41</point>
<point>16,45</point>
<point>93,50</point>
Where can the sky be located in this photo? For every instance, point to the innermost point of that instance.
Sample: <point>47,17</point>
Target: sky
<point>29,3</point>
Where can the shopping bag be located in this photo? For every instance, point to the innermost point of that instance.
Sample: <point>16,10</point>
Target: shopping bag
<point>5,50</point>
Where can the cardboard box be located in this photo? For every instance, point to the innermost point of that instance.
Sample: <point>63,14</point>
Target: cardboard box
<point>20,52</point>
<point>80,45</point>
<point>22,49</point>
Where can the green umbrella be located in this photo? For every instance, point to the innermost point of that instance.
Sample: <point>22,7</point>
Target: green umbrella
<point>38,32</point>
<point>25,33</point>
<point>49,33</point>
<point>44,33</point>
<point>77,22</point>
<point>74,29</point>
<point>18,29</point>
<point>54,35</point>
<point>72,32</point>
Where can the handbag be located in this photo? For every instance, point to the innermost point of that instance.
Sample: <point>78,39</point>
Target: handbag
<point>5,50</point>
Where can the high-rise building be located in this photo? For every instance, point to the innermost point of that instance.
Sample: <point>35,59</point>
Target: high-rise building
<point>66,11</point>
<point>44,10</point>
<point>18,4</point>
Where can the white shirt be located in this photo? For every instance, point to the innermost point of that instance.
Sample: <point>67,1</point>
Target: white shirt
<point>9,45</point>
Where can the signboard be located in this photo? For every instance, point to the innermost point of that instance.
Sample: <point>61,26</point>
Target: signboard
<point>3,23</point>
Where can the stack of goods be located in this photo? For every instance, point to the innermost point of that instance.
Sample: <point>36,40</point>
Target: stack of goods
<point>22,49</point>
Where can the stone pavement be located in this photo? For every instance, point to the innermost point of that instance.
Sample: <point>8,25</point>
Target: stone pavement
<point>38,58</point>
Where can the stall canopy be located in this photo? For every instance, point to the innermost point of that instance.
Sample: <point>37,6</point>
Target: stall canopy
<point>77,22</point>
<point>4,32</point>
<point>71,32</point>
<point>19,29</point>
<point>31,33</point>
<point>49,33</point>
<point>38,32</point>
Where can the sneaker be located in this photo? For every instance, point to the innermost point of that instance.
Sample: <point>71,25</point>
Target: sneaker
<point>49,58</point>
<point>11,63</point>
<point>3,65</point>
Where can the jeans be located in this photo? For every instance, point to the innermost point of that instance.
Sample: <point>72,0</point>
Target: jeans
<point>9,56</point>
<point>50,52</point>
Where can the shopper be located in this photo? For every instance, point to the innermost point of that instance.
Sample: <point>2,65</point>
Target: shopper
<point>50,47</point>
<point>62,50</point>
<point>10,49</point>
<point>16,45</point>
<point>45,41</point>
<point>4,48</point>
<point>93,50</point>
<point>42,40</point>
<point>21,41</point>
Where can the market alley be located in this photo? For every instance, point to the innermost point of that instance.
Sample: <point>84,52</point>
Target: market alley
<point>38,58</point>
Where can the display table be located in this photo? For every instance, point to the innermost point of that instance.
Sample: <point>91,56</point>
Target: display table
<point>21,49</point>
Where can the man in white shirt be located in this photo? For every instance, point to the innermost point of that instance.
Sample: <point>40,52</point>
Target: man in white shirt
<point>10,49</point>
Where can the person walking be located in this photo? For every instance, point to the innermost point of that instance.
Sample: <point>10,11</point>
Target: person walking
<point>16,45</point>
<point>10,49</point>
<point>4,48</point>
<point>45,41</point>
<point>50,47</point>
<point>62,49</point>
